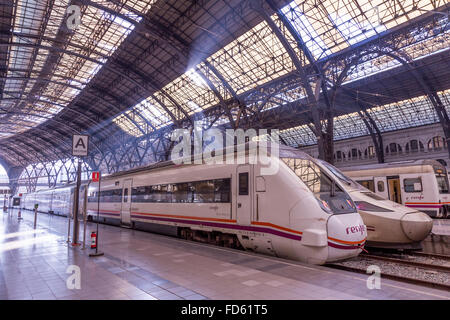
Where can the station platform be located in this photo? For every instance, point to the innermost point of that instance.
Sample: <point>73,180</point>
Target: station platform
<point>438,242</point>
<point>146,266</point>
<point>441,227</point>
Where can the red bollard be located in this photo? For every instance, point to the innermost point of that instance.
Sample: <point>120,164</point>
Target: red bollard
<point>19,217</point>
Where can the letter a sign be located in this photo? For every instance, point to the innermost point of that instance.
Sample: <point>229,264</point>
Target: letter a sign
<point>80,145</point>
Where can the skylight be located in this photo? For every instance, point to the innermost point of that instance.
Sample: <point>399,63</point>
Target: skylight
<point>97,37</point>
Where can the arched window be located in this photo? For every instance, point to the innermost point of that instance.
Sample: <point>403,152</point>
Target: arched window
<point>414,146</point>
<point>369,152</point>
<point>354,154</point>
<point>437,143</point>
<point>393,148</point>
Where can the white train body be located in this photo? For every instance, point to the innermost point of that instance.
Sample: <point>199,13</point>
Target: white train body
<point>389,224</point>
<point>420,184</point>
<point>55,201</point>
<point>234,205</point>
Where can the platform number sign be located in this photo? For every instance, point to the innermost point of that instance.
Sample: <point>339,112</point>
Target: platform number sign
<point>95,176</point>
<point>80,145</point>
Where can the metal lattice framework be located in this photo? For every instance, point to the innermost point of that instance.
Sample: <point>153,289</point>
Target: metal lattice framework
<point>134,70</point>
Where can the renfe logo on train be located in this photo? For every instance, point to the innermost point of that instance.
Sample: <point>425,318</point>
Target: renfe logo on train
<point>355,229</point>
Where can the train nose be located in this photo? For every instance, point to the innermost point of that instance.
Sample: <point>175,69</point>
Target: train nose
<point>346,236</point>
<point>416,226</point>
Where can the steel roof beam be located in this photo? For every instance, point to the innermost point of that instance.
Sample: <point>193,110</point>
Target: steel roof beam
<point>375,133</point>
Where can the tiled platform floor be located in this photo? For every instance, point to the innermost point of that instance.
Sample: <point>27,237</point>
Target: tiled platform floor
<point>441,227</point>
<point>140,265</point>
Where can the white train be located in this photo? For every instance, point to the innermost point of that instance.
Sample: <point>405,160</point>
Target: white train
<point>389,224</point>
<point>54,201</point>
<point>300,213</point>
<point>418,184</point>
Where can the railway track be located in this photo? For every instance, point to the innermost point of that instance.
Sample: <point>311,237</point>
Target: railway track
<point>430,255</point>
<point>435,274</point>
<point>440,267</point>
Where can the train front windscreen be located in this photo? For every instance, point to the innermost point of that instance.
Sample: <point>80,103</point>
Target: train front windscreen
<point>330,196</point>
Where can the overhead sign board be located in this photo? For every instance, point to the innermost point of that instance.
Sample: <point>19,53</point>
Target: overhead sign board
<point>95,176</point>
<point>80,145</point>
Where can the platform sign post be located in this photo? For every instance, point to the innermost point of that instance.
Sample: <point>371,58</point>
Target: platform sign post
<point>80,144</point>
<point>76,200</point>
<point>4,204</point>
<point>84,192</point>
<point>97,177</point>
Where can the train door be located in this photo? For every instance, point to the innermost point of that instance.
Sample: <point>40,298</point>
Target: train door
<point>394,189</point>
<point>126,202</point>
<point>380,187</point>
<point>243,194</point>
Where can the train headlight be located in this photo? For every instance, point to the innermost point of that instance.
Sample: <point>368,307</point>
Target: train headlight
<point>366,206</point>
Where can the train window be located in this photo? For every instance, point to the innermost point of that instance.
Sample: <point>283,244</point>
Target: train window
<point>367,184</point>
<point>243,184</point>
<point>139,194</point>
<point>442,179</point>
<point>182,193</point>
<point>125,195</point>
<point>92,197</point>
<point>116,195</point>
<point>106,196</point>
<point>413,185</point>
<point>380,186</point>
<point>203,191</point>
<point>222,190</point>
<point>160,193</point>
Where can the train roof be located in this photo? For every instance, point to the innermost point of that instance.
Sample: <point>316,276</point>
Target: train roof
<point>284,151</point>
<point>398,165</point>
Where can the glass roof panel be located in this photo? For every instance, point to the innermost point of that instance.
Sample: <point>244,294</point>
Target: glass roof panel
<point>404,114</point>
<point>191,92</point>
<point>298,136</point>
<point>256,57</point>
<point>97,37</point>
<point>349,126</point>
<point>328,26</point>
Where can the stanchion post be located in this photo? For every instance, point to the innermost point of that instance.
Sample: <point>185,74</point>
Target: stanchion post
<point>35,214</point>
<point>68,225</point>
<point>76,203</point>
<point>85,199</point>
